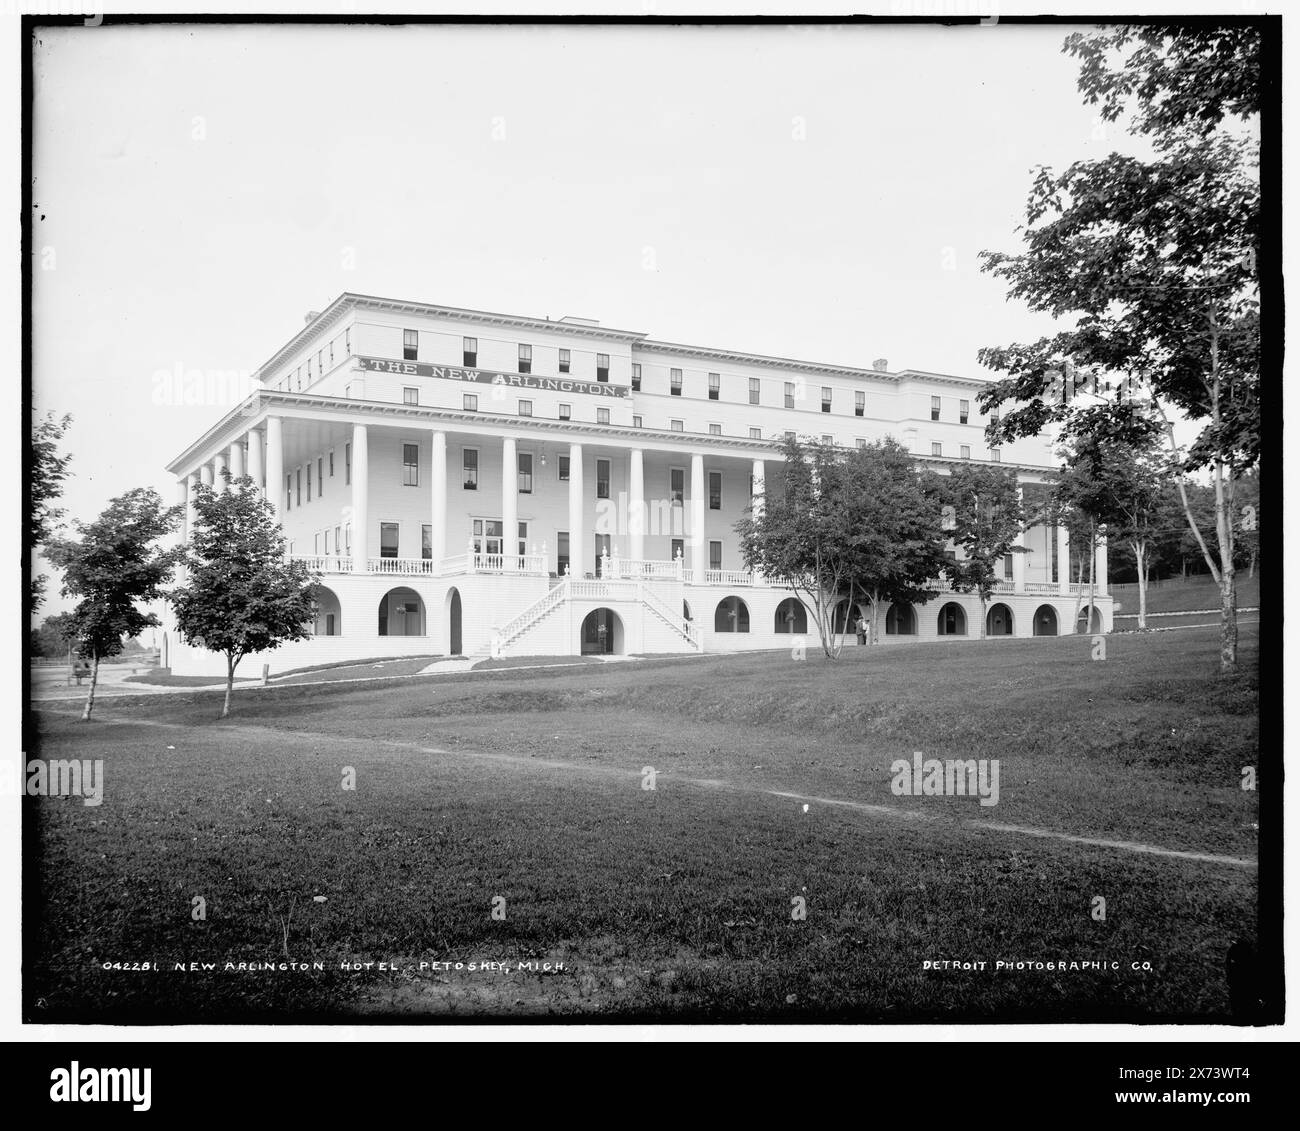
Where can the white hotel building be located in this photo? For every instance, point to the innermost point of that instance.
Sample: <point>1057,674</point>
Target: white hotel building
<point>474,483</point>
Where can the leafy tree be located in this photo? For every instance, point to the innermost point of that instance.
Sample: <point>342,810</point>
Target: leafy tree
<point>240,595</point>
<point>1155,264</point>
<point>896,536</point>
<point>55,637</point>
<point>49,468</point>
<point>986,517</point>
<point>115,565</point>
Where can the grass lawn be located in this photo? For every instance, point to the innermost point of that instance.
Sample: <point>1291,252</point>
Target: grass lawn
<point>671,903</point>
<point>1175,597</point>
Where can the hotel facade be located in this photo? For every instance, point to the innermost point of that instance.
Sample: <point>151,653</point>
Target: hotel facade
<point>487,484</point>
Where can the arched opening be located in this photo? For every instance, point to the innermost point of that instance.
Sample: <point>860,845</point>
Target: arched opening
<point>1089,620</point>
<point>999,621</point>
<point>602,633</point>
<point>791,616</point>
<point>900,620</point>
<point>731,615</point>
<point>845,617</point>
<point>329,614</point>
<point>454,647</point>
<point>686,611</point>
<point>1045,621</point>
<point>952,620</point>
<point>401,613</point>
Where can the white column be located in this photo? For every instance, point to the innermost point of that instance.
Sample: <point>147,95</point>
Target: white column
<point>1062,560</point>
<point>256,469</point>
<point>275,465</point>
<point>360,498</point>
<point>438,500</point>
<point>237,460</point>
<point>1018,561</point>
<point>205,475</point>
<point>1101,565</point>
<point>218,478</point>
<point>577,524</point>
<point>510,502</point>
<point>699,552</point>
<point>636,506</point>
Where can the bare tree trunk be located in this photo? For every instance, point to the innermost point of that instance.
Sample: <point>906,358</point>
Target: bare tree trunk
<point>1139,553</point>
<point>1253,553</point>
<point>230,683</point>
<point>90,695</point>
<point>875,617</point>
<point>1078,597</point>
<point>984,615</point>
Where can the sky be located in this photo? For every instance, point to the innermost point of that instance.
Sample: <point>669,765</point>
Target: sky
<point>820,193</point>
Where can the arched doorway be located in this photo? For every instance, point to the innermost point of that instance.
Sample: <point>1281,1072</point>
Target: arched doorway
<point>952,620</point>
<point>790,616</point>
<point>999,621</point>
<point>731,615</point>
<point>1089,620</point>
<point>900,620</point>
<point>845,616</point>
<point>401,613</point>
<point>453,622</point>
<point>1045,621</point>
<point>602,633</point>
<point>329,614</point>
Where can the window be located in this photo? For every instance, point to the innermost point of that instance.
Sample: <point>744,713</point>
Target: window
<point>564,361</point>
<point>676,484</point>
<point>861,443</point>
<point>602,416</point>
<point>965,451</point>
<point>347,463</point>
<point>388,540</point>
<point>636,376</point>
<point>993,417</point>
<point>469,352</point>
<point>320,362</point>
<point>338,546</point>
<point>561,552</point>
<point>347,539</point>
<point>426,542</point>
<point>347,341</point>
<point>320,475</point>
<point>469,469</point>
<point>469,402</point>
<point>525,359</point>
<point>308,375</point>
<point>678,548</point>
<point>525,408</point>
<point>936,449</point>
<point>826,399</point>
<point>315,543</point>
<point>715,490</point>
<point>789,435</point>
<point>1009,567</point>
<point>299,475</point>
<point>964,411</point>
<point>602,367</point>
<point>410,345</point>
<point>331,464</point>
<point>675,426</point>
<point>525,460</point>
<point>602,479</point>
<point>756,433</point>
<point>935,402</point>
<point>789,394</point>
<point>715,429</point>
<point>636,422</point>
<point>827,438</point>
<point>410,465</point>
<point>331,353</point>
<point>715,386</point>
<point>675,382</point>
<point>754,386</point>
<point>410,396</point>
<point>715,555</point>
<point>563,461</point>
<point>859,403</point>
<point>566,412</point>
<point>288,492</point>
<point>995,454</point>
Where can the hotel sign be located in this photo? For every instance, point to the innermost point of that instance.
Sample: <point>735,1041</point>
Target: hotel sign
<point>487,377</point>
